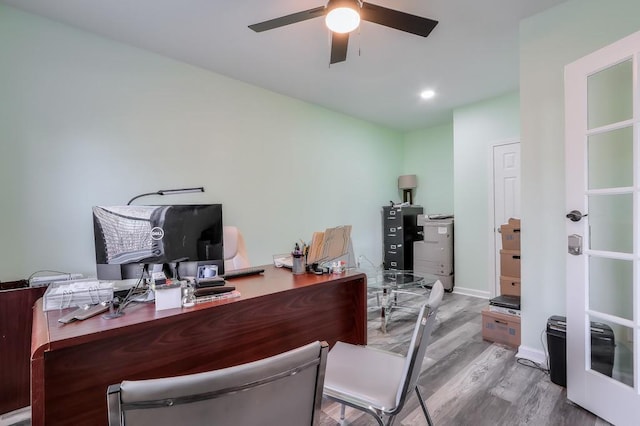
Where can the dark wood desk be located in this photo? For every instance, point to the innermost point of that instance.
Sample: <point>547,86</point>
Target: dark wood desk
<point>16,313</point>
<point>72,364</point>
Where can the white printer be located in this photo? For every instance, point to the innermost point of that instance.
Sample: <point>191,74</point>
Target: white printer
<point>433,256</point>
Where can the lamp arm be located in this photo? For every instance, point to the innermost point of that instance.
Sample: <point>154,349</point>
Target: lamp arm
<point>143,195</point>
<point>169,192</point>
<point>180,190</point>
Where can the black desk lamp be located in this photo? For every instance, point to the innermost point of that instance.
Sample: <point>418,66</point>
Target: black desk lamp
<point>168,192</point>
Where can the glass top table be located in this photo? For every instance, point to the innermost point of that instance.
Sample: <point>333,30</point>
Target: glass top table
<point>392,289</point>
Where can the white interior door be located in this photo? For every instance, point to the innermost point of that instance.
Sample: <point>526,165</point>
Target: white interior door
<point>506,197</point>
<point>603,181</point>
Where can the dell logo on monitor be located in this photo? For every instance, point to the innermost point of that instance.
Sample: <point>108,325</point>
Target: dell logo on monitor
<point>157,233</point>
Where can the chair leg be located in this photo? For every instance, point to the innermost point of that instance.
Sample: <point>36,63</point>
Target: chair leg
<point>342,412</point>
<point>424,407</point>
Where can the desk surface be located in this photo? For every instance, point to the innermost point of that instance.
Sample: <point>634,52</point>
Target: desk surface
<point>73,364</point>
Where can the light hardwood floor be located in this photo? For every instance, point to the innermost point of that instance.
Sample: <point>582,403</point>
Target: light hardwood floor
<point>466,380</point>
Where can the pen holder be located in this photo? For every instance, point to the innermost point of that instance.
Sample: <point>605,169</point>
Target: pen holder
<point>298,264</point>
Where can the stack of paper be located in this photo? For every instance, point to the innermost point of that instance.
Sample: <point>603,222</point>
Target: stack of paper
<point>67,294</point>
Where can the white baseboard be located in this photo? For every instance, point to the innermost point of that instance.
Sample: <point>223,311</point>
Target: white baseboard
<point>472,292</point>
<point>535,355</point>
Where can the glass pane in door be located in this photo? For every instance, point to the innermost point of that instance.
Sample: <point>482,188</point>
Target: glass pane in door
<point>610,157</point>
<point>611,222</point>
<point>611,286</point>
<point>612,350</point>
<point>610,95</point>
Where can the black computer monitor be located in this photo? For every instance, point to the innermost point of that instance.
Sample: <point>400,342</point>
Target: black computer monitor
<point>128,237</point>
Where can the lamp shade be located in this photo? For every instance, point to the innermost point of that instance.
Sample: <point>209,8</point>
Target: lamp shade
<point>407,182</point>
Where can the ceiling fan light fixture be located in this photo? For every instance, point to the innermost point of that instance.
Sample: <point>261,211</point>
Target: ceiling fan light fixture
<point>427,94</point>
<point>342,19</point>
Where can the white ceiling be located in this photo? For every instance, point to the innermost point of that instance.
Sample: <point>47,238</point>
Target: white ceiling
<point>471,55</point>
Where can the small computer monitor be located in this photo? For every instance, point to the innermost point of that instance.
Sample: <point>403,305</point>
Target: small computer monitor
<point>129,237</point>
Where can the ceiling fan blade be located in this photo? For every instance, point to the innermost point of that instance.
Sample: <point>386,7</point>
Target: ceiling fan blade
<point>399,20</point>
<point>339,43</point>
<point>288,19</point>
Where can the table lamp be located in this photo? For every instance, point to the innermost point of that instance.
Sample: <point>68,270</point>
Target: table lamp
<point>407,183</point>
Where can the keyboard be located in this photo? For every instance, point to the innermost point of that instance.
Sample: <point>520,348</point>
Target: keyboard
<point>237,273</point>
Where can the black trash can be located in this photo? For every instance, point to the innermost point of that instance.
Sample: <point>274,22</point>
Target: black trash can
<point>602,348</point>
<point>557,345</point>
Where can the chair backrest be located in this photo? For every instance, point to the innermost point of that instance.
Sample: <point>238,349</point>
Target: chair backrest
<point>284,389</point>
<point>418,346</point>
<point>235,251</point>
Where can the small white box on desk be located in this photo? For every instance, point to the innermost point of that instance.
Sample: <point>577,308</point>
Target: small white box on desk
<point>168,297</point>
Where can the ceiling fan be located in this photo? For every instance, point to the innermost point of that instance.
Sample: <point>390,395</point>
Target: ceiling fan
<point>343,16</point>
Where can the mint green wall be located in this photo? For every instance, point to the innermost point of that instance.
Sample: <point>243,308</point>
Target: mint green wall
<point>86,121</point>
<point>548,42</point>
<point>429,155</point>
<point>476,128</point>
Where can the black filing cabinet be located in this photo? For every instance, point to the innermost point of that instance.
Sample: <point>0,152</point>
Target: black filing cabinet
<point>400,229</point>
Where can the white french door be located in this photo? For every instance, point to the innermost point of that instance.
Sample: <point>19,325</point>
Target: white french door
<point>603,231</point>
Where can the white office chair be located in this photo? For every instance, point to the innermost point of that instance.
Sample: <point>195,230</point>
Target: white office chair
<point>284,390</point>
<point>379,382</point>
<point>235,252</point>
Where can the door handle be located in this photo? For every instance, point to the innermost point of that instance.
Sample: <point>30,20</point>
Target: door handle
<point>576,215</point>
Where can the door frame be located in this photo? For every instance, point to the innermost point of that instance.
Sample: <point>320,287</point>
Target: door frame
<point>492,250</point>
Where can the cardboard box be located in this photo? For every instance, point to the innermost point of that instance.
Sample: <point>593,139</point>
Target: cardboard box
<point>510,263</point>
<point>511,235</point>
<point>501,328</point>
<point>509,286</point>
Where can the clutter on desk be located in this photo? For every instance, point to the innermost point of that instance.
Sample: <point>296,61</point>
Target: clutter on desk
<point>299,266</point>
<point>168,296</point>
<point>215,297</point>
<point>338,267</point>
<point>74,293</point>
<point>84,312</point>
<point>328,251</point>
<point>283,260</point>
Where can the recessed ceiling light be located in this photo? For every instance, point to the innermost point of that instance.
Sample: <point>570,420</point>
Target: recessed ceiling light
<point>427,94</point>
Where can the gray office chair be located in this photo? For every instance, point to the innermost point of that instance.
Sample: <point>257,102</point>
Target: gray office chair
<point>235,251</point>
<point>284,389</point>
<point>378,382</point>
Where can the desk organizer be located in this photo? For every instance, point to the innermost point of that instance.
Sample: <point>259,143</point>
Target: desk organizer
<point>69,294</point>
